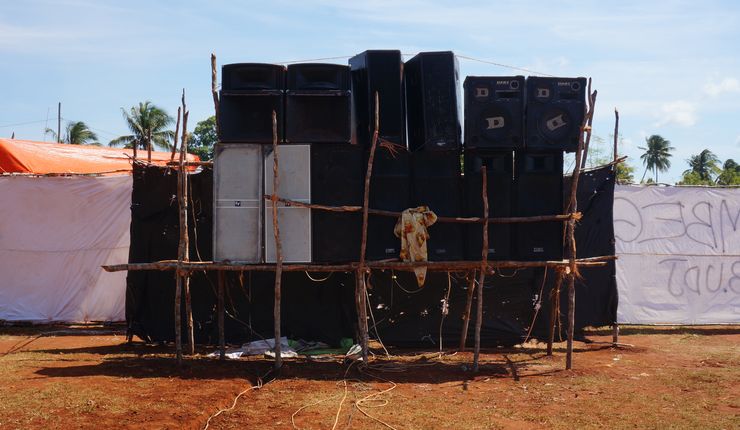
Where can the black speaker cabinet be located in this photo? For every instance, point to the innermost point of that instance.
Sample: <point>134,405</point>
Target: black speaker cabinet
<point>381,72</point>
<point>390,189</point>
<point>336,180</point>
<point>500,183</point>
<point>494,112</point>
<point>433,101</point>
<point>555,111</point>
<point>318,105</point>
<point>437,183</point>
<point>538,191</point>
<point>250,92</point>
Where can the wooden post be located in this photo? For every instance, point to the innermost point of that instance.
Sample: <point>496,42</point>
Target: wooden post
<point>616,136</point>
<point>360,279</point>
<point>183,277</point>
<point>178,318</point>
<point>220,311</point>
<point>214,93</point>
<point>278,245</point>
<point>483,268</point>
<point>59,125</point>
<point>468,309</point>
<point>149,148</point>
<point>615,334</point>
<point>571,240</point>
<point>554,308</point>
<point>177,132</point>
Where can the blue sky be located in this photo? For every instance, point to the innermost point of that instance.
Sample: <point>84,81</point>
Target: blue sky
<point>671,68</point>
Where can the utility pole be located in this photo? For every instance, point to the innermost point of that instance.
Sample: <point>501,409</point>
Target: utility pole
<point>59,122</point>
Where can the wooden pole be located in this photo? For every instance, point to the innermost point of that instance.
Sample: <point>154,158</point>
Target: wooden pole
<point>588,135</point>
<point>177,132</point>
<point>59,124</point>
<point>484,266</point>
<point>183,278</point>
<point>554,308</point>
<point>183,176</point>
<point>220,311</point>
<point>278,245</point>
<point>149,148</point>
<point>360,278</point>
<point>468,309</point>
<point>616,134</point>
<point>214,93</point>
<point>615,334</point>
<point>178,318</point>
<point>573,206</point>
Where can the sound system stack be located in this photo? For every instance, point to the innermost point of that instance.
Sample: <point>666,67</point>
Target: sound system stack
<point>381,72</point>
<point>517,128</point>
<point>494,128</point>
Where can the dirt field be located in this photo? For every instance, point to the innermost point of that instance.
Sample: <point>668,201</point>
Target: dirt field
<point>62,377</point>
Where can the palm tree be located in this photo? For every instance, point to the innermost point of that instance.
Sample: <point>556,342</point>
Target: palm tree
<point>77,133</point>
<point>656,156</point>
<point>148,124</point>
<point>704,165</point>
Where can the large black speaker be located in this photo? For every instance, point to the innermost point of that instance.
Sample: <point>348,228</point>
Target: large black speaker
<point>381,72</point>
<point>555,111</point>
<point>390,189</point>
<point>436,183</point>
<point>433,101</point>
<point>494,112</point>
<point>539,191</point>
<point>318,105</point>
<point>500,182</point>
<point>336,180</point>
<point>250,92</point>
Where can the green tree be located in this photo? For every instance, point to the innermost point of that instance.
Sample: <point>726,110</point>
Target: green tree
<point>730,174</point>
<point>203,138</point>
<point>76,133</point>
<point>691,177</point>
<point>657,155</point>
<point>148,125</point>
<point>625,173</point>
<point>704,165</point>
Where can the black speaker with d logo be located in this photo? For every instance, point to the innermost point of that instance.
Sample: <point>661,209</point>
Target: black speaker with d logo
<point>555,111</point>
<point>494,112</point>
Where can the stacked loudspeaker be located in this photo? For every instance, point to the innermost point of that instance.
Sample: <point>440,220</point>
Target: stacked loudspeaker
<point>517,127</point>
<point>316,163</point>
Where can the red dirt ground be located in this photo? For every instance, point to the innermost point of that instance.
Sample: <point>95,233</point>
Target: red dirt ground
<point>671,377</point>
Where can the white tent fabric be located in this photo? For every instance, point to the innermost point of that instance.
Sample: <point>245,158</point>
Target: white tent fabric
<point>679,254</point>
<point>55,233</point>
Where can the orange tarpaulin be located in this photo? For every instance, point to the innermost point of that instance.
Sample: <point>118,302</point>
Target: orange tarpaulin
<point>25,156</point>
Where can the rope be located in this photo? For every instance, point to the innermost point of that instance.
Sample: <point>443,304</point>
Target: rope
<point>308,275</point>
<point>233,405</point>
<point>537,306</point>
<point>445,310</point>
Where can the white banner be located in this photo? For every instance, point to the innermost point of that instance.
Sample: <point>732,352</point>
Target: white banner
<point>679,254</point>
<point>55,233</point>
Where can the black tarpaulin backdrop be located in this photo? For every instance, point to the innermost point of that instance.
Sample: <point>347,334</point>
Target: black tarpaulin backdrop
<point>320,306</point>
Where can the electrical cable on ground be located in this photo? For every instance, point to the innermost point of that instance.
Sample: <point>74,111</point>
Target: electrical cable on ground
<point>233,405</point>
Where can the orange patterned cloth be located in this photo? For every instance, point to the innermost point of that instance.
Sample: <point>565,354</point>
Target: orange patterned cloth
<point>412,229</point>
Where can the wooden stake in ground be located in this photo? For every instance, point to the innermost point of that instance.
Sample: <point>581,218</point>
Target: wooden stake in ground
<point>468,309</point>
<point>278,244</point>
<point>220,311</point>
<point>571,226</point>
<point>483,268</point>
<point>360,279</point>
<point>182,276</point>
<point>616,135</point>
<point>554,307</point>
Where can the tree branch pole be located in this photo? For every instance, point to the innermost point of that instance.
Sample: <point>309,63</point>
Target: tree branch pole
<point>462,220</point>
<point>484,266</point>
<point>220,311</point>
<point>177,132</point>
<point>554,307</point>
<point>588,135</point>
<point>278,245</point>
<point>468,309</point>
<point>616,134</point>
<point>183,176</point>
<point>214,93</point>
<point>445,266</point>
<point>360,274</point>
<point>572,206</point>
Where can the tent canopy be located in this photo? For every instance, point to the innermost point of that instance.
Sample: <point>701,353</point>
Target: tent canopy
<point>25,156</point>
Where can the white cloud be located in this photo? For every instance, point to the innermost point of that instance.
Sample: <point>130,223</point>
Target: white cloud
<point>738,140</point>
<point>726,85</point>
<point>679,112</point>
